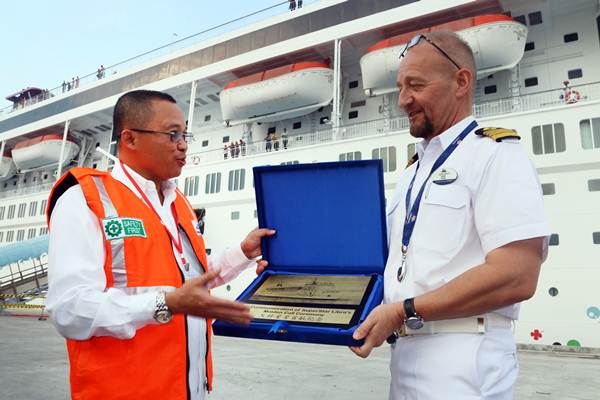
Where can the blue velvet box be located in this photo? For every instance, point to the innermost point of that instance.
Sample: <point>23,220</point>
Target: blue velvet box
<point>330,222</point>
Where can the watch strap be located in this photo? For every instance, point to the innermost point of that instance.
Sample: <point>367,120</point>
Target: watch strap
<point>409,309</point>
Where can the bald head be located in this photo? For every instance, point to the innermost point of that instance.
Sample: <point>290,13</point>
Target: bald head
<point>456,48</point>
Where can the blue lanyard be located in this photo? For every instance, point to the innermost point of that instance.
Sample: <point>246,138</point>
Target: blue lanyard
<point>411,217</point>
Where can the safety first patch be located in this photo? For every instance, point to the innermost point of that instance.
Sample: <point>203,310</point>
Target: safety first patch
<point>119,228</point>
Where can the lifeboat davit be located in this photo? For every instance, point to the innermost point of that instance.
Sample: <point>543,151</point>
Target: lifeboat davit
<point>497,41</point>
<point>7,168</point>
<point>280,93</point>
<point>42,151</point>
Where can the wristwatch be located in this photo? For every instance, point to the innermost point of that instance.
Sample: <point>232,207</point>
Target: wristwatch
<point>162,314</point>
<point>412,320</point>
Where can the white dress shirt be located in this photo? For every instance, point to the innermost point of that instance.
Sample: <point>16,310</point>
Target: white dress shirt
<point>78,302</point>
<point>496,200</point>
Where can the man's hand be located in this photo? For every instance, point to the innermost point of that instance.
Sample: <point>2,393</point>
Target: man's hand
<point>251,247</point>
<point>193,298</point>
<point>378,326</point>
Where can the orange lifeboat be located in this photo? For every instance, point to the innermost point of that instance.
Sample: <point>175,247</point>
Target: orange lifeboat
<point>7,167</point>
<point>42,151</point>
<point>280,93</point>
<point>497,41</point>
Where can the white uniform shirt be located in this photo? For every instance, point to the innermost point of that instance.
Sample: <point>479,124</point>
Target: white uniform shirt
<point>496,200</point>
<point>77,301</point>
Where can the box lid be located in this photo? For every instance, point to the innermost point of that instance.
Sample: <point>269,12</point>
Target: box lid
<point>329,217</point>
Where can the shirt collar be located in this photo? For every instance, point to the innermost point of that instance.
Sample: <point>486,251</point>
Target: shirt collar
<point>445,138</point>
<point>149,188</point>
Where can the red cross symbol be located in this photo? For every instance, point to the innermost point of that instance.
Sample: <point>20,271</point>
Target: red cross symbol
<point>536,335</point>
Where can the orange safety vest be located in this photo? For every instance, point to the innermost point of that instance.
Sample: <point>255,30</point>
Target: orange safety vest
<point>154,363</point>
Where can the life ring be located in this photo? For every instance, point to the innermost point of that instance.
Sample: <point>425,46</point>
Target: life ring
<point>195,160</point>
<point>572,96</point>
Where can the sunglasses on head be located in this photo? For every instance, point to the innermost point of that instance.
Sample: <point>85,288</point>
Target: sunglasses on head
<point>414,41</point>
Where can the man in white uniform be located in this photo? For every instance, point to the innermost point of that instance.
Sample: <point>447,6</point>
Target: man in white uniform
<point>467,237</point>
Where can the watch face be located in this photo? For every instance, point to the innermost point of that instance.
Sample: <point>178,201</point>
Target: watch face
<point>163,317</point>
<point>414,323</point>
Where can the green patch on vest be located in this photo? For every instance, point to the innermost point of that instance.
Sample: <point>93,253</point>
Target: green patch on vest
<point>119,228</point>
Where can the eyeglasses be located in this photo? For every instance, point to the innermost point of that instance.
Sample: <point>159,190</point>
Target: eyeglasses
<point>414,41</point>
<point>176,136</point>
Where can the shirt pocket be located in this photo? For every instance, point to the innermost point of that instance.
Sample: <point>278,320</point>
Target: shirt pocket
<point>442,218</point>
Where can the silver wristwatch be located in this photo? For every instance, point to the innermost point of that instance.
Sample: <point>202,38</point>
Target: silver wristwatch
<point>162,314</point>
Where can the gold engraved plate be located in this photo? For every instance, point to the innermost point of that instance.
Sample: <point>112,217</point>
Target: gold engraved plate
<point>312,289</point>
<point>317,315</point>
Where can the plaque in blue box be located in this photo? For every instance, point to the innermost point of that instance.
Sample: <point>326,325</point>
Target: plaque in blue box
<point>326,261</point>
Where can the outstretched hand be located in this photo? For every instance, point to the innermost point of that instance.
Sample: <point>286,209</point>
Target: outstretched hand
<point>193,298</point>
<point>378,326</point>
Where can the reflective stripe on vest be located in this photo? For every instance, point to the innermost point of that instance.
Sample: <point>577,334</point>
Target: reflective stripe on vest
<point>117,247</point>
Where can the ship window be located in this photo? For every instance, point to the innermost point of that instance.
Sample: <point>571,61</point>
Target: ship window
<point>213,183</point>
<point>596,237</point>
<point>324,120</point>
<point>9,236</point>
<point>235,215</point>
<point>571,37</point>
<point>1,236</point>
<point>192,184</point>
<point>290,162</point>
<point>531,81</point>
<point>575,73</point>
<point>353,84</point>
<point>351,156</point>
<point>554,240</point>
<point>43,230</point>
<point>589,130</point>
<point>31,233</point>
<point>553,292</point>
<point>411,150</point>
<point>548,189</point>
<point>535,18</point>
<point>297,125</point>
<point>594,185</point>
<point>529,46</point>
<point>388,155</point>
<point>33,208</point>
<point>2,212</point>
<point>353,114</point>
<point>490,89</point>
<point>20,235</point>
<point>236,180</point>
<point>360,103</point>
<point>225,139</point>
<point>43,206</point>
<point>255,214</point>
<point>521,19</point>
<point>22,208</point>
<point>207,118</point>
<point>548,138</point>
<point>11,212</point>
<point>271,130</point>
<point>204,143</point>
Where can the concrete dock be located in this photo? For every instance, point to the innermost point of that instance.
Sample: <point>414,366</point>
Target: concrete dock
<point>34,365</point>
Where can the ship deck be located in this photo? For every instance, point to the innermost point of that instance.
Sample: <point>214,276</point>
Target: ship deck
<point>35,366</point>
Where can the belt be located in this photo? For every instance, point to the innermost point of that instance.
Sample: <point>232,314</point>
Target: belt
<point>478,324</point>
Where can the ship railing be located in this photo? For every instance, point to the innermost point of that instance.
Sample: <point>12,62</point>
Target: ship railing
<point>75,82</point>
<point>15,274</point>
<point>30,189</point>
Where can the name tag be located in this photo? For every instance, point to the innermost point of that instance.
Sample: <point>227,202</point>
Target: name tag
<point>119,228</point>
<point>444,176</point>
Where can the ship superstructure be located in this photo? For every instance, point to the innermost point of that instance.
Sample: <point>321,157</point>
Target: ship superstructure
<point>318,85</point>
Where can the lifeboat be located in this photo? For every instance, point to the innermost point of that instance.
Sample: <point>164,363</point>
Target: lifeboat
<point>42,151</point>
<point>7,168</point>
<point>497,41</point>
<point>280,93</point>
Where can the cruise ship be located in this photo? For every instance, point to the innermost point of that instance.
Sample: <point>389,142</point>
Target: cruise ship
<point>318,84</point>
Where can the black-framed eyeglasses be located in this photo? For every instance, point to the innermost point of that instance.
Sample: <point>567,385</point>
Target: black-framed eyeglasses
<point>176,136</point>
<point>414,41</point>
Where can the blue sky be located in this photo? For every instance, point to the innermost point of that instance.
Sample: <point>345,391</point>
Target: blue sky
<point>45,42</point>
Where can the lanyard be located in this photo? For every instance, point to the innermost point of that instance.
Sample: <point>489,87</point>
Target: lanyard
<point>412,213</point>
<point>175,241</point>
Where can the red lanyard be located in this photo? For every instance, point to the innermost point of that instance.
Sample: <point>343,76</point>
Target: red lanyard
<point>176,242</point>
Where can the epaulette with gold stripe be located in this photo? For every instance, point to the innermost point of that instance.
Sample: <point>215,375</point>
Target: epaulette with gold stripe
<point>498,134</point>
<point>412,160</point>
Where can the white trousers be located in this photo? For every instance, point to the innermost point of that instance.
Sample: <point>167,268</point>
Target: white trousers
<point>454,366</point>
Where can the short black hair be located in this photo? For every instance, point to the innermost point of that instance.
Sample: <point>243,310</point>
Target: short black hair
<point>133,109</point>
